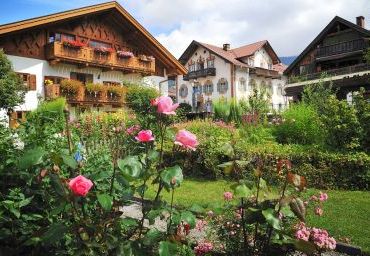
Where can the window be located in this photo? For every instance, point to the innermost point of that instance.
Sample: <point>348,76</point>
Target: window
<point>222,86</point>
<point>60,37</point>
<point>242,85</point>
<point>208,87</point>
<point>183,91</point>
<point>270,66</point>
<point>200,65</point>
<point>55,79</point>
<point>98,44</point>
<point>29,81</point>
<point>210,63</point>
<point>197,88</point>
<point>82,77</point>
<point>191,67</point>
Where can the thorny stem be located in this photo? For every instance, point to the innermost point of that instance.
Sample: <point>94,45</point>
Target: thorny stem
<point>143,194</point>
<point>279,208</point>
<point>170,223</point>
<point>244,230</point>
<point>162,128</point>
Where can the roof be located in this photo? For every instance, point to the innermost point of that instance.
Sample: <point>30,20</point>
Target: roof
<point>48,19</point>
<point>232,55</point>
<point>320,36</point>
<point>280,67</point>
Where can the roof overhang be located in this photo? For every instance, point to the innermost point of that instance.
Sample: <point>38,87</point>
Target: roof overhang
<point>57,17</point>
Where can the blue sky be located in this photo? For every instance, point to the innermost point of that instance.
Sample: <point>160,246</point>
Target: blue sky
<point>289,25</point>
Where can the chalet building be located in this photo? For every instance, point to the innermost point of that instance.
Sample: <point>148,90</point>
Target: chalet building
<point>338,51</point>
<point>96,44</point>
<point>222,73</point>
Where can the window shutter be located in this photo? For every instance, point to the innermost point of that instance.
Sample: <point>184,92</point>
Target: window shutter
<point>32,82</point>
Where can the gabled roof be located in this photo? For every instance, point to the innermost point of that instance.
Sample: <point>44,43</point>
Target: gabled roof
<point>280,67</point>
<point>232,55</point>
<point>320,36</point>
<point>60,16</point>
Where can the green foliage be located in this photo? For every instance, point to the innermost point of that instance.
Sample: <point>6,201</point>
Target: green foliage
<point>367,55</point>
<point>301,125</point>
<point>258,103</point>
<point>228,111</point>
<point>318,94</point>
<point>342,126</point>
<point>12,90</point>
<point>362,107</point>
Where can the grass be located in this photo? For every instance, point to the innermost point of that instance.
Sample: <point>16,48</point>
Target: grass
<point>345,213</point>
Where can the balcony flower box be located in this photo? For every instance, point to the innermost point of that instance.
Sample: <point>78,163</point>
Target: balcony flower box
<point>145,58</point>
<point>103,50</point>
<point>94,91</point>
<point>125,54</point>
<point>74,44</point>
<point>51,89</point>
<point>70,87</point>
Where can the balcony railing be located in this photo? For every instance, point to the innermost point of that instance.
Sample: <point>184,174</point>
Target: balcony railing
<point>342,47</point>
<point>200,73</point>
<point>82,96</point>
<point>331,72</point>
<point>265,72</point>
<point>56,51</point>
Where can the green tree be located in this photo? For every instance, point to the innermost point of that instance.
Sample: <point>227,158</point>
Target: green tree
<point>318,94</point>
<point>12,90</point>
<point>362,107</point>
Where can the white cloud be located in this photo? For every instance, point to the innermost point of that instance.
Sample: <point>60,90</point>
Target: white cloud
<point>289,25</point>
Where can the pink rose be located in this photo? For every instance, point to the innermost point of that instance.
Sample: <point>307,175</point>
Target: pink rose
<point>144,136</point>
<point>323,197</point>
<point>165,105</point>
<point>186,139</point>
<point>228,196</point>
<point>80,185</point>
<point>319,211</point>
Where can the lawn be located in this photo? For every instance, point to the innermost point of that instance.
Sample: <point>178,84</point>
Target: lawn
<point>345,213</point>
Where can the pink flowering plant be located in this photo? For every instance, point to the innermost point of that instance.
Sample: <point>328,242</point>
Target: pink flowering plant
<point>255,220</point>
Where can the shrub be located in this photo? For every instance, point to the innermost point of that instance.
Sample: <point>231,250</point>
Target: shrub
<point>362,108</point>
<point>301,125</point>
<point>12,90</point>
<point>341,123</point>
<point>228,111</point>
<point>70,86</point>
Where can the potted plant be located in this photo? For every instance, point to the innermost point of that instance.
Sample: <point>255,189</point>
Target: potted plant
<point>51,90</point>
<point>94,90</point>
<point>125,54</point>
<point>70,87</point>
<point>115,92</point>
<point>103,50</point>
<point>75,44</point>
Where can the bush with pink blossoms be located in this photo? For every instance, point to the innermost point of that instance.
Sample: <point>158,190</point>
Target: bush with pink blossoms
<point>319,237</point>
<point>203,248</point>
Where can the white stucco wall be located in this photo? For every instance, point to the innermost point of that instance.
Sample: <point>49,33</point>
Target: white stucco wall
<point>42,68</point>
<point>223,69</point>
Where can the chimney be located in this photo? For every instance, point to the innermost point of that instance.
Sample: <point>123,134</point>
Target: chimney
<point>226,47</point>
<point>360,21</point>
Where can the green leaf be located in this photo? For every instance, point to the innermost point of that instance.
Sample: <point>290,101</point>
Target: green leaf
<point>57,184</point>
<point>54,234</point>
<point>25,202</point>
<point>105,200</point>
<point>196,208</point>
<point>153,236</point>
<point>189,218</point>
<point>269,215</point>
<point>121,180</point>
<point>228,150</point>
<point>153,155</point>
<point>167,248</point>
<point>152,215</point>
<point>31,157</point>
<point>69,161</point>
<point>131,167</point>
<point>15,211</point>
<point>242,191</point>
<point>172,176</point>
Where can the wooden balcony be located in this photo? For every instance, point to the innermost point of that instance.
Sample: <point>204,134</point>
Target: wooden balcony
<point>268,73</point>
<point>86,56</point>
<point>84,97</point>
<point>342,48</point>
<point>200,73</point>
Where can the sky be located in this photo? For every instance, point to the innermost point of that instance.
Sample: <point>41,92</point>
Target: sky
<point>289,25</point>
